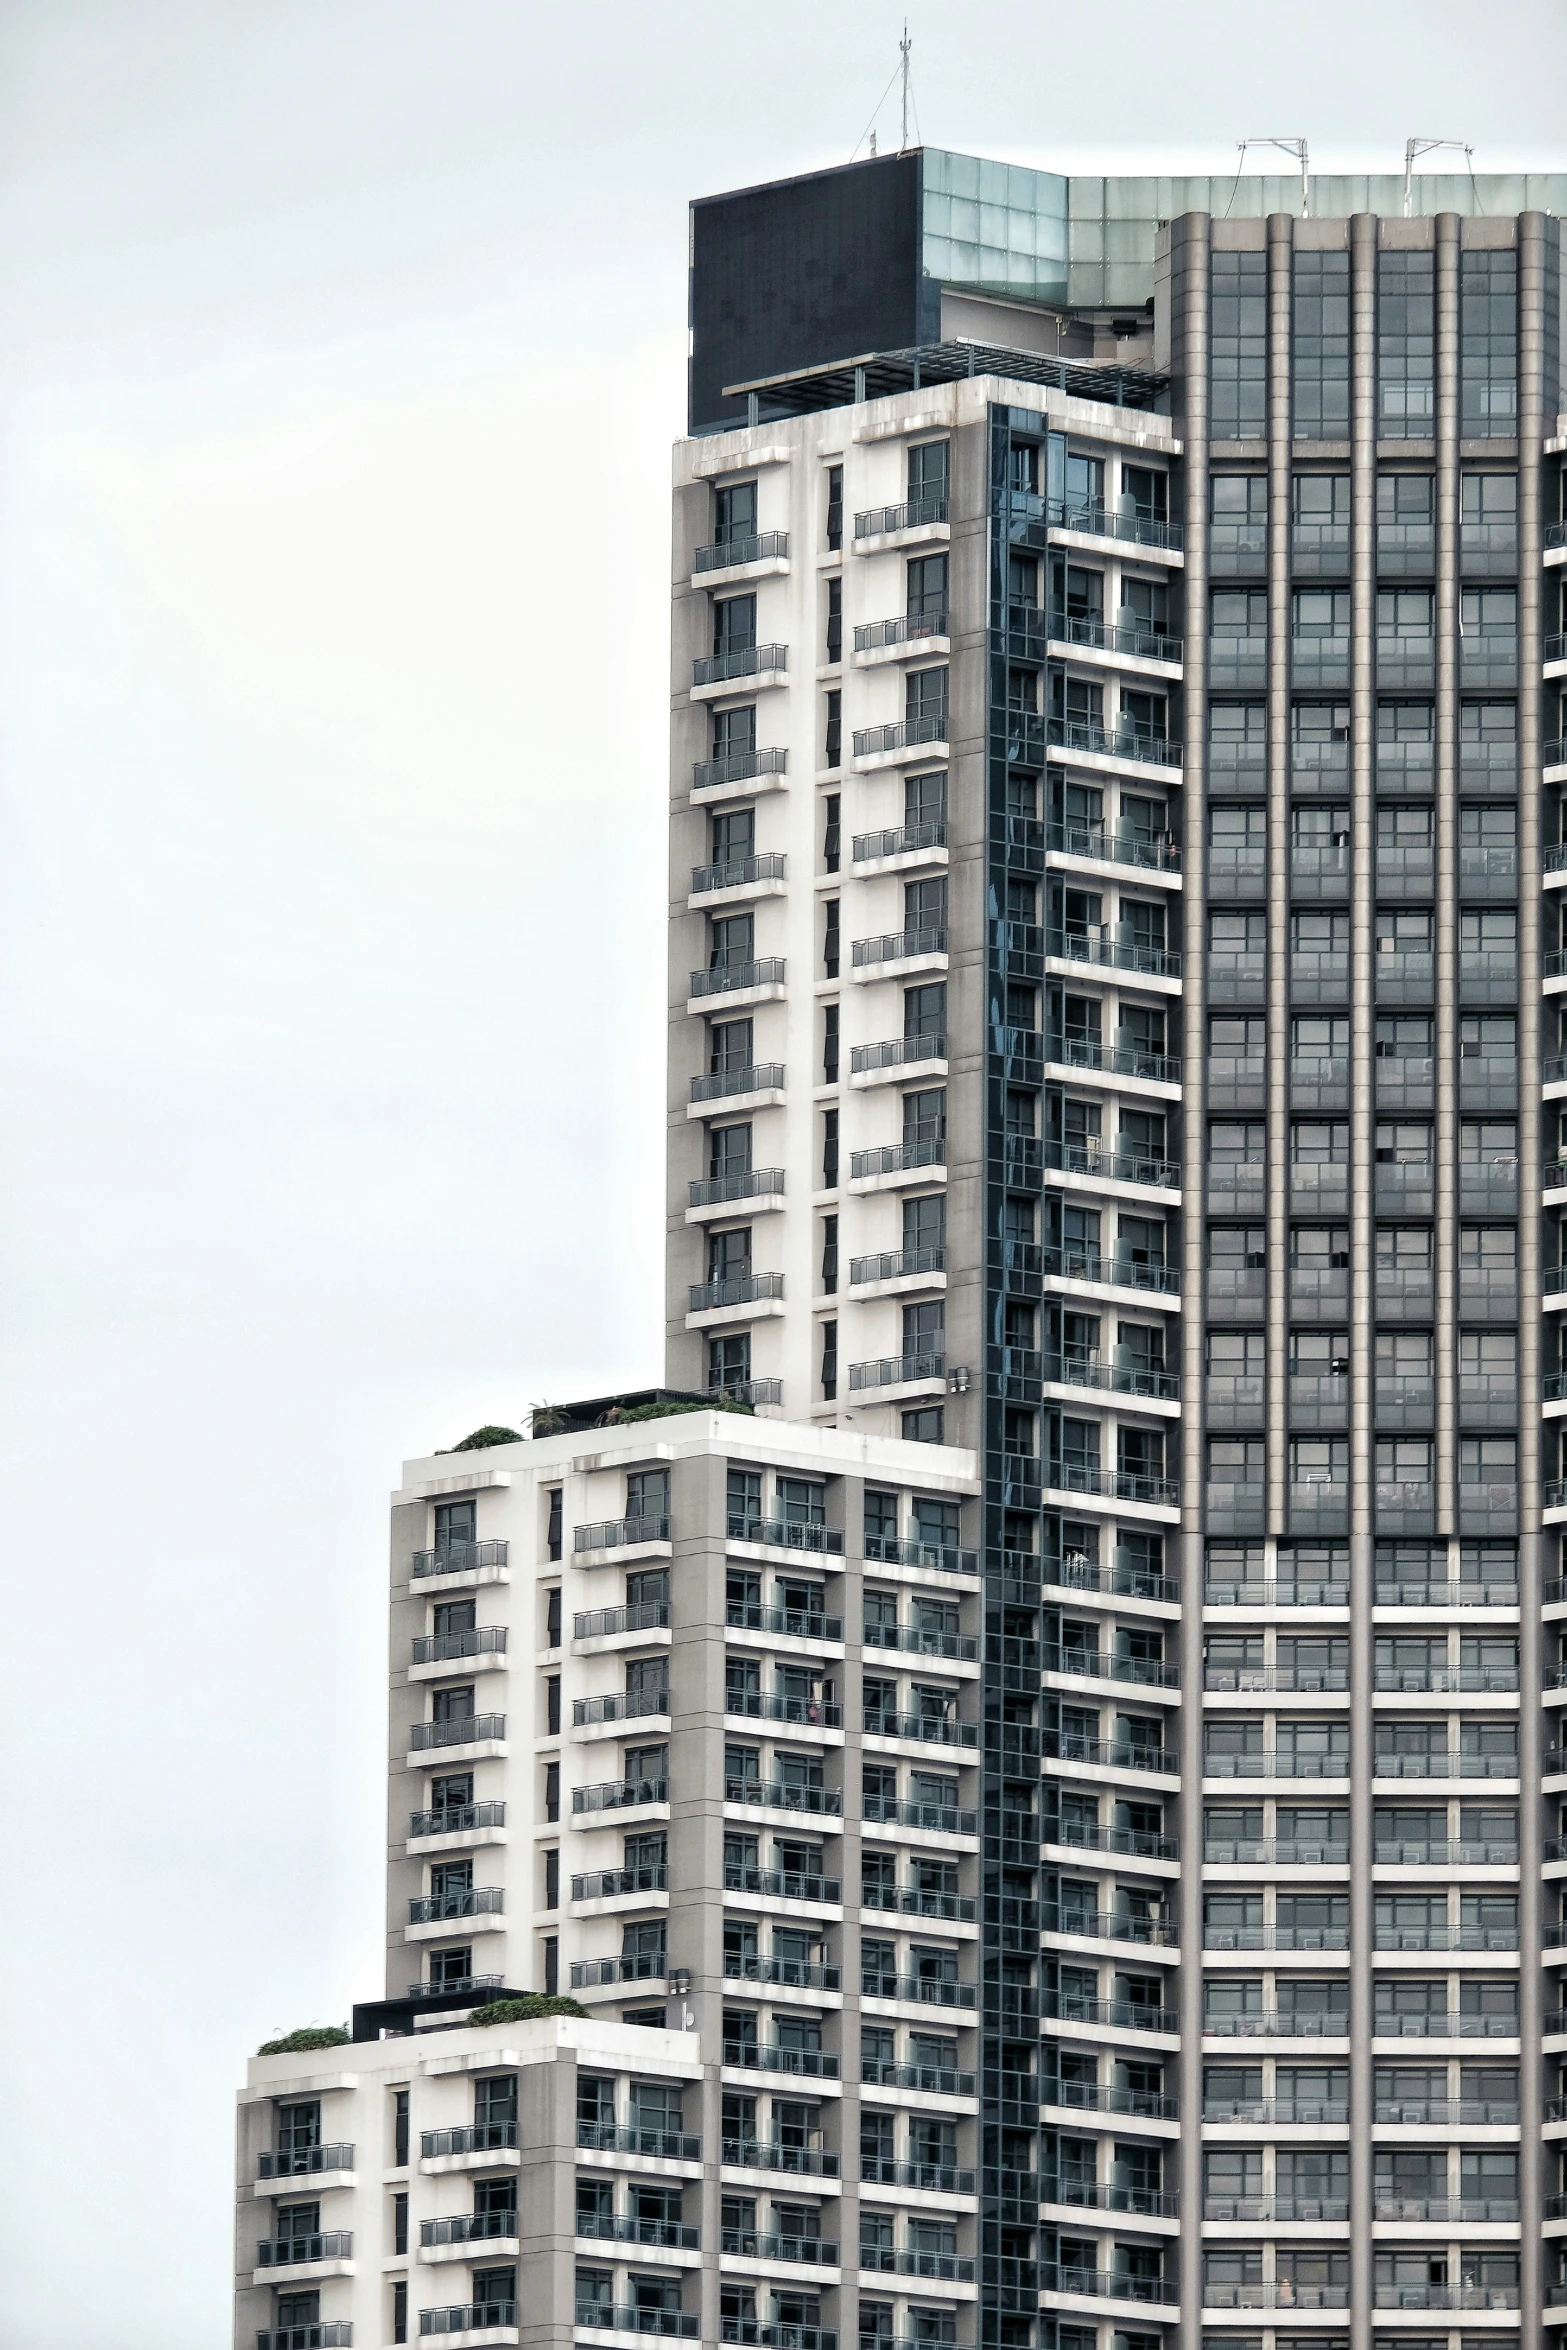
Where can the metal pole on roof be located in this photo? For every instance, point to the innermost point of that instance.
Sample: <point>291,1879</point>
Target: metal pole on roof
<point>904,46</point>
<point>1413,149</point>
<point>1290,146</point>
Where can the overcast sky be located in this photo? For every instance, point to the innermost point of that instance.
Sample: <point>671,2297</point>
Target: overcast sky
<point>341,346</point>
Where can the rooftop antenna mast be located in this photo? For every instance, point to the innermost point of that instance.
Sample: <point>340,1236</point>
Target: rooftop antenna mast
<point>1295,147</point>
<point>1414,149</point>
<point>904,46</point>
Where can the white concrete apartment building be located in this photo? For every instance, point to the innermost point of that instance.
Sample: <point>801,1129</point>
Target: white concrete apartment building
<point>637,1752</point>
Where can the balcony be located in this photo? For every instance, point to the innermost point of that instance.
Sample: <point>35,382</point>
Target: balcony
<point>931,2178</point>
<point>896,1264</point>
<point>879,522</point>
<point>757,546</point>
<point>1090,2097</point>
<point>793,1623</point>
<point>619,1533</point>
<point>1114,1060</point>
<point>777,2155</point>
<point>1452,1679</point>
<point>739,768</point>
<point>932,2080</point>
<point>1288,1852</point>
<point>712,1191</point>
<point>898,1371</point>
<point>906,734</point>
<point>482,1987</point>
<point>634,2319</point>
<point>615,2227</point>
<point>1094,1664</point>
<point>885,2261</point>
<point>612,1884</point>
<point>1133,525</point>
<point>755,1392</point>
<point>785,1795</point>
<point>466,1730</point>
<point>1272,2110</point>
<point>1275,1762</point>
<point>645,1966</point>
<point>754,1705</point>
<point>1155,853</point>
<point>934,1557</point>
<point>1276,1937</point>
<point>1155,750</point>
<point>617,2138</point>
<point>298,2251</point>
<point>620,1705</point>
<point>603,1623</point>
<point>779,2334</point>
<point>1110,1925</point>
<point>923,631</point>
<point>1277,2024</point>
<point>739,978</point>
<point>1113,1163</point>
<point>896,1052</point>
<point>1076,1261</point>
<point>723,1084</point>
<point>1114,1484</point>
<point>1446,2296</point>
<point>453,1819</point>
<point>1275,2207</point>
<point>1112,952</point>
<point>316,2336</point>
<point>938,1819</point>
<point>749,2244</point>
<point>922,1990</point>
<point>1105,2284</point>
<point>459,1558</point>
<point>758,661</point>
<point>1067,2007</point>
<point>783,1884</point>
<point>304,2162</point>
<point>1445,1938</point>
<point>899,946</point>
<point>786,1533</point>
<point>1090,1836</point>
<point>927,1729</point>
<point>471,2138</point>
<point>737,873</point>
<point>440,1648</point>
<point>897,1158</point>
<point>619,1794</point>
<point>903,840</point>
<point>1067,1746</point>
<point>426,1909</point>
<point>742,1289</point>
<point>768,2056</point>
<point>1286,2294</point>
<point>470,2227</point>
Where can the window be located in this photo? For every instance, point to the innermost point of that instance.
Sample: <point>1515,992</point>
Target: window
<point>829,1255</point>
<point>829,1361</point>
<point>734,513</point>
<point>832,832</point>
<point>1406,722</point>
<point>729,1364</point>
<point>1319,348</point>
<point>1234,1142</point>
<point>1488,722</point>
<point>1237,731</point>
<point>1406,345</point>
<point>927,595</point>
<point>835,619</point>
<point>1404,615</point>
<point>734,625</point>
<point>924,1425</point>
<point>1488,344</point>
<point>1318,615</point>
<point>1237,1460</point>
<point>734,737</point>
<point>1237,1036</point>
<point>928,480</point>
<point>1319,504</point>
<point>834,507</point>
<point>1238,346</point>
<point>1239,612</point>
<point>832,752</point>
<point>831,934</point>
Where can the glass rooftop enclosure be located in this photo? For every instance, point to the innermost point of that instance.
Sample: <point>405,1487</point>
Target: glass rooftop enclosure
<point>1088,244</point>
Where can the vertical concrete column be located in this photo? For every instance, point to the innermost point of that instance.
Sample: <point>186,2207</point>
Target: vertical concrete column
<point>1538,281</point>
<point>1190,332</point>
<point>546,2203</point>
<point>1447,570</point>
<point>850,1755</point>
<point>1280,256</point>
<point>1362,1116</point>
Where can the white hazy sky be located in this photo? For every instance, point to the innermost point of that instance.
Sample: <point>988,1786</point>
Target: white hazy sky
<point>341,345</point>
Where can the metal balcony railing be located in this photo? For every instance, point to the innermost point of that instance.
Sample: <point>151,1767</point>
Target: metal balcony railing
<point>768,2056</point>
<point>1111,636</point>
<point>1133,524</point>
<point>762,1706</point>
<point>872,636</point>
<point>451,1819</point>
<point>924,1990</point>
<point>1104,1665</point>
<point>439,1648</point>
<point>459,1558</point>
<point>897,1371</point>
<point>932,2178</point>
<point>900,840</point>
<point>469,2138</point>
<point>1109,1925</point>
<point>735,978</point>
<point>602,1623</point>
<point>1068,2008</point>
<point>722,1084</point>
<point>470,2227</point>
<point>744,661</point>
<point>711,1191</point>
<point>292,2251</point>
<point>737,767</point>
<point>619,1794</point>
<point>934,2080</point>
<point>303,2162</point>
<point>466,1730</point>
<point>913,1901</point>
<point>927,1729</point>
<point>936,1558</point>
<point>741,1289</point>
<point>906,734</point>
<point>786,1533</point>
<point>756,546</point>
<point>1114,1060</point>
<point>619,1533</point>
<point>900,946</point>
<point>610,1884</point>
<point>896,1264</point>
<point>750,2244</point>
<point>916,1640</point>
<point>1091,1836</point>
<point>914,514</point>
<point>642,1966</point>
<point>1068,1746</point>
<point>898,1158</point>
<point>634,2319</point>
<point>896,1052</point>
<point>616,2227</point>
<point>621,1705</point>
<point>619,2138</point>
<point>479,1985</point>
<point>1113,951</point>
<point>1077,1261</point>
<point>785,1795</point>
<point>775,2154</point>
<point>939,1819</point>
<point>801,1974</point>
<point>782,1884</point>
<point>474,1901</point>
<point>736,873</point>
<point>1105,2284</point>
<point>1072,734</point>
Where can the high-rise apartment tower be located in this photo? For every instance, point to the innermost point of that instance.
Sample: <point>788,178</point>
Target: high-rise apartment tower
<point>1117,826</point>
